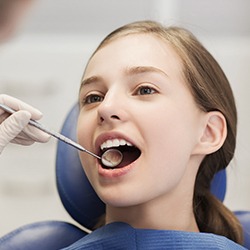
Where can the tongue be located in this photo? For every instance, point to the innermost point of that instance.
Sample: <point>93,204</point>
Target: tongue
<point>130,154</point>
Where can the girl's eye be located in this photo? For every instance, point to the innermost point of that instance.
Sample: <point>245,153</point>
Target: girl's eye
<point>145,90</point>
<point>92,99</point>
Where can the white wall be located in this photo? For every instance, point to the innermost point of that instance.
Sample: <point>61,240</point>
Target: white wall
<point>43,66</point>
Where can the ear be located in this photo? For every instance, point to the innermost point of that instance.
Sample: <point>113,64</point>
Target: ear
<point>213,134</point>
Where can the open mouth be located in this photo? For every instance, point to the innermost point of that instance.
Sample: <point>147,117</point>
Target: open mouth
<point>130,152</point>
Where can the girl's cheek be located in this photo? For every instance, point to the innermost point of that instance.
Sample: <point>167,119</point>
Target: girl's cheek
<point>80,130</point>
<point>83,131</point>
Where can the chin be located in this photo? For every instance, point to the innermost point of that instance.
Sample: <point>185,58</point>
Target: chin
<point>119,199</point>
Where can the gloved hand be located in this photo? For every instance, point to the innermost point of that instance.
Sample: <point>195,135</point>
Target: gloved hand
<point>13,128</point>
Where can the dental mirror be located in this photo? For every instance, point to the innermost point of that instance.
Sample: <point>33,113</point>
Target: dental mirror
<point>112,158</point>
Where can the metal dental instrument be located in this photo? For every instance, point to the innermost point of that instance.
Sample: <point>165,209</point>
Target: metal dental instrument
<point>106,158</point>
<point>52,133</point>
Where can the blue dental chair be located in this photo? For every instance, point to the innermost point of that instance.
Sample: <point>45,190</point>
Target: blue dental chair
<point>82,203</point>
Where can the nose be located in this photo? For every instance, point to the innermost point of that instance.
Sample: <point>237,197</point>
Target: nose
<point>112,108</point>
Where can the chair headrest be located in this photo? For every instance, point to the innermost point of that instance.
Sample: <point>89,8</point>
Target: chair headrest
<point>76,193</point>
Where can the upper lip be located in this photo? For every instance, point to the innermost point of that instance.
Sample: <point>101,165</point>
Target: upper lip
<point>111,136</point>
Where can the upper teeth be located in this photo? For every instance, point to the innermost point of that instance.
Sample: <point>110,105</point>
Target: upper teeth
<point>114,143</point>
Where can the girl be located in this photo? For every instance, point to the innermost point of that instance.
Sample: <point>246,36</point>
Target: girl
<point>157,95</point>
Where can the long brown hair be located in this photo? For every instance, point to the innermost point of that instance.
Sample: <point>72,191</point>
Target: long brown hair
<point>212,92</point>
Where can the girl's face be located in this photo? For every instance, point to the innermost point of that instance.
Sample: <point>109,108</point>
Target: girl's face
<point>133,93</point>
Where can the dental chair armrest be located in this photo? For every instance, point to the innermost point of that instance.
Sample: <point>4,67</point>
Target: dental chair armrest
<point>244,218</point>
<point>47,235</point>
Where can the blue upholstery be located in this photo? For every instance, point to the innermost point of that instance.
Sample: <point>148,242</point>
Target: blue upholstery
<point>77,195</point>
<point>244,218</point>
<point>47,235</point>
<point>218,185</point>
<point>81,202</point>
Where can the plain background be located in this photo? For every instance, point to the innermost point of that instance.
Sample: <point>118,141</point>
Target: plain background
<point>43,65</point>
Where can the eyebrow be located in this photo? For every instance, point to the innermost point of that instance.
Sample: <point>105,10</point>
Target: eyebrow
<point>90,80</point>
<point>145,69</point>
<point>129,71</point>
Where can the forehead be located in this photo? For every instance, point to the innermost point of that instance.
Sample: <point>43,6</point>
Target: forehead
<point>134,50</point>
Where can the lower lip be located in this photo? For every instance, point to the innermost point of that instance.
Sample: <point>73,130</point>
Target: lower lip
<point>114,173</point>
